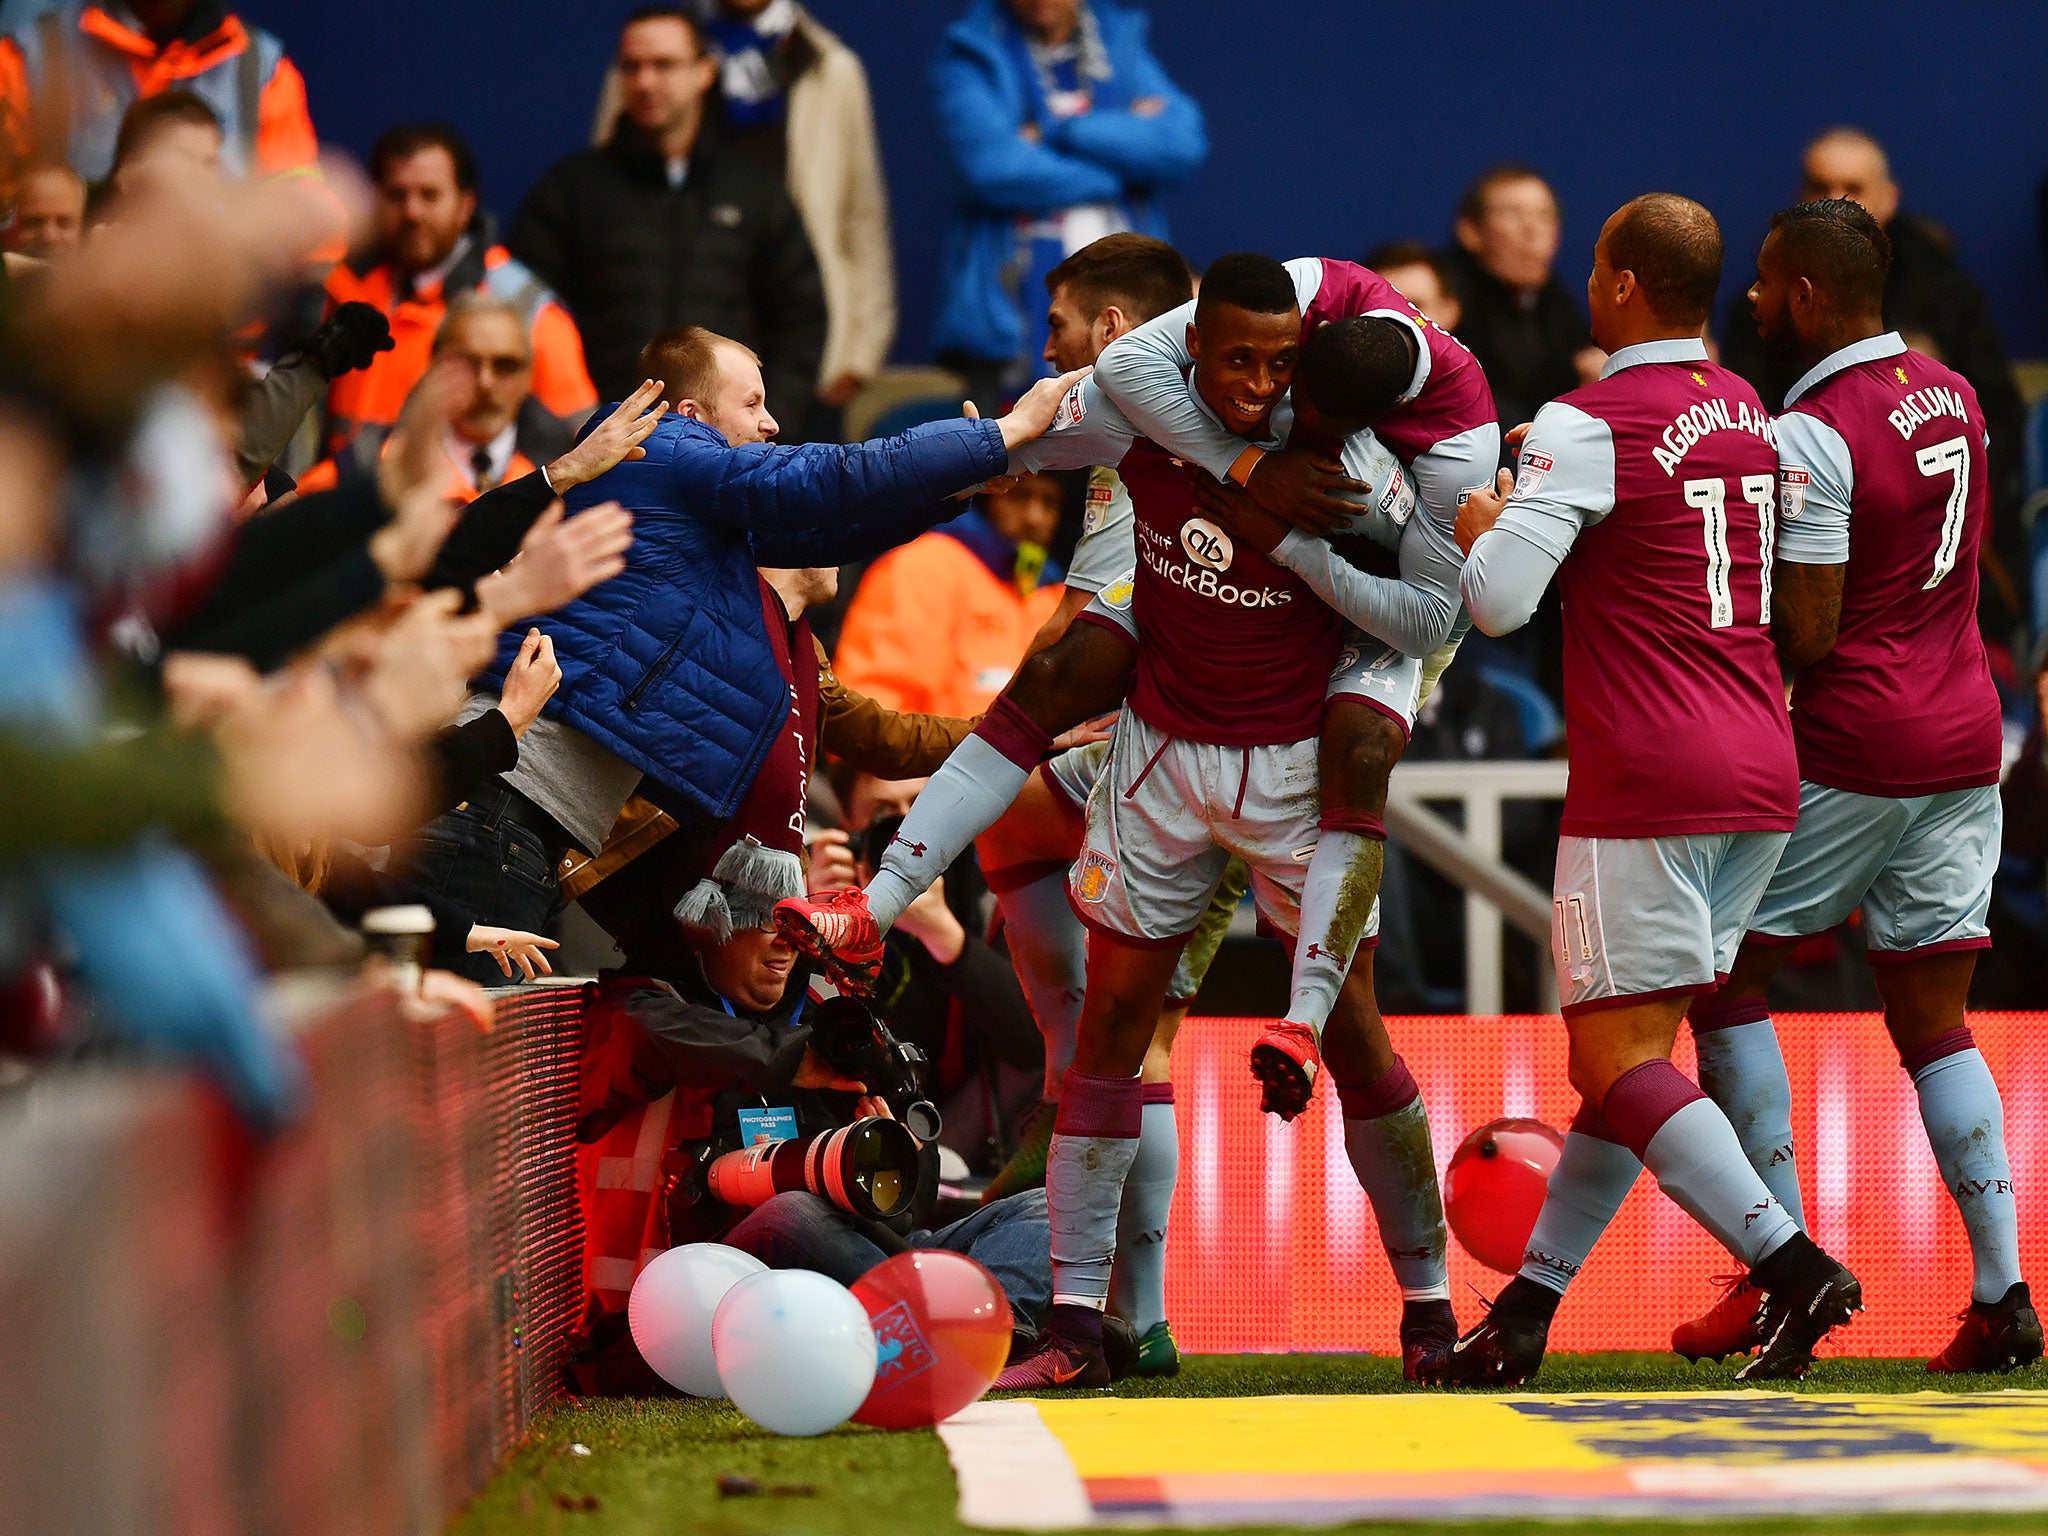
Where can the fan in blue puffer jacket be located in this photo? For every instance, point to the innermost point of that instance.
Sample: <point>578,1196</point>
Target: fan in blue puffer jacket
<point>669,686</point>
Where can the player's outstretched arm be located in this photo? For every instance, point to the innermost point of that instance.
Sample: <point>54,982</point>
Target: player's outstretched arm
<point>1086,430</point>
<point>1413,614</point>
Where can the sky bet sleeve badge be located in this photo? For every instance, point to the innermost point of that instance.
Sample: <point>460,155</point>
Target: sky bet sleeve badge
<point>1792,483</point>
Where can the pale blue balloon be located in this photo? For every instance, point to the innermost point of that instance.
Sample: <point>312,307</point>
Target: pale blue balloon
<point>795,1350</point>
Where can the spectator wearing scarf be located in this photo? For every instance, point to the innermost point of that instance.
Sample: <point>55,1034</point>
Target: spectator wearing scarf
<point>1062,128</point>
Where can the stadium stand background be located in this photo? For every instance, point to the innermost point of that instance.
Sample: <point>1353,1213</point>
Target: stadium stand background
<point>1387,111</point>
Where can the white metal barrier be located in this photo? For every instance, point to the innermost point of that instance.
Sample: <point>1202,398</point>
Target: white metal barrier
<point>1470,859</point>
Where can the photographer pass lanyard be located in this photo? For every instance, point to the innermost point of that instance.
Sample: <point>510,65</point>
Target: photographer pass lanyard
<point>768,1124</point>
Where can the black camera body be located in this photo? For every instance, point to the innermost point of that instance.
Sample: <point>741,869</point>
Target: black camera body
<point>851,1039</point>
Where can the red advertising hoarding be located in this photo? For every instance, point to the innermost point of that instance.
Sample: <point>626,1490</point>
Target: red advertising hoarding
<point>1272,1246</point>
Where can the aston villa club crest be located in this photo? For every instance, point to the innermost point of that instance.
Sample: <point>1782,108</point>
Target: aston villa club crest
<point>1092,883</point>
<point>901,1349</point>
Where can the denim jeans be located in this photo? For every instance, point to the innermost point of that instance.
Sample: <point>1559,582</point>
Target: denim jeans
<point>495,870</point>
<point>1012,1238</point>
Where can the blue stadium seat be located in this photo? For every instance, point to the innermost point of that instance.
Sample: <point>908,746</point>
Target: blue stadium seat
<point>2037,446</point>
<point>1542,725</point>
<point>2037,563</point>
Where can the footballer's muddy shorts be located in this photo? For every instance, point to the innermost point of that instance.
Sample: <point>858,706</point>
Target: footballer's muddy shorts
<point>1165,819</point>
<point>1919,868</point>
<point>1368,671</point>
<point>1639,918</point>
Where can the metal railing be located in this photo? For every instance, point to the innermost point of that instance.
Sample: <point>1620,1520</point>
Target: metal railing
<point>1471,859</point>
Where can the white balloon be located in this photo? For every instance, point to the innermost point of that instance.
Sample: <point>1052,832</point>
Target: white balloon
<point>795,1351</point>
<point>671,1308</point>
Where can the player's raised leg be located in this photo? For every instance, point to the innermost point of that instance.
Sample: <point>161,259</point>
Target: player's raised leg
<point>1386,1138</point>
<point>1082,675</point>
<point>1359,746</point>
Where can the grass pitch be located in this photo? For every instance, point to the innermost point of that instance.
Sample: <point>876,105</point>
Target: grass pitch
<point>655,1465</point>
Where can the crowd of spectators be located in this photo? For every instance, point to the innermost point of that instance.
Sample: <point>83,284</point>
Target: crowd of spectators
<point>333,586</point>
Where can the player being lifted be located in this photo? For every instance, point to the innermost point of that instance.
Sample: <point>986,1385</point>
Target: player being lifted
<point>1443,417</point>
<point>1881,475</point>
<point>1650,496</point>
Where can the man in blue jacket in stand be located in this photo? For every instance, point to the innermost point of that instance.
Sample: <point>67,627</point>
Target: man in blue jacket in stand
<point>1062,128</point>
<point>670,688</point>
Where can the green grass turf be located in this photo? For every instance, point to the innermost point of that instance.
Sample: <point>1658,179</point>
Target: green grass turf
<point>654,1464</point>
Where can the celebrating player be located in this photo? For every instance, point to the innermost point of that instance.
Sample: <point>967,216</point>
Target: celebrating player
<point>1650,495</point>
<point>1442,414</point>
<point>1214,756</point>
<point>1443,430</point>
<point>1881,509</point>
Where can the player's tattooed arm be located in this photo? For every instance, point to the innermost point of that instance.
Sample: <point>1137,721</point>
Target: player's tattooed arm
<point>1806,610</point>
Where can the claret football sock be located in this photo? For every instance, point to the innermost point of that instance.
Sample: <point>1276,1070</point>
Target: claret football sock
<point>1138,1285</point>
<point>1093,1144</point>
<point>1683,1138</point>
<point>1337,894</point>
<point>1386,1134</point>
<point>1049,948</point>
<point>972,788</point>
<point>1743,1071</point>
<point>1593,1176</point>
<point>1965,1120</point>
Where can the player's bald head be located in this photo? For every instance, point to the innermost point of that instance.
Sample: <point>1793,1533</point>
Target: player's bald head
<point>1674,248</point>
<point>1837,246</point>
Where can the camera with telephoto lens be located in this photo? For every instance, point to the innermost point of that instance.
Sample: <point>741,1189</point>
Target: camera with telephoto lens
<point>869,1168</point>
<point>851,1039</point>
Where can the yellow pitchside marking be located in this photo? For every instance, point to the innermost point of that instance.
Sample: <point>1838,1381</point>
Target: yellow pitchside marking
<point>1148,1437</point>
<point>1154,1437</point>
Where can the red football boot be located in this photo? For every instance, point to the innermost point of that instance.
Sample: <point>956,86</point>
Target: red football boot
<point>1286,1062</point>
<point>2001,1335</point>
<point>1729,1327</point>
<point>838,931</point>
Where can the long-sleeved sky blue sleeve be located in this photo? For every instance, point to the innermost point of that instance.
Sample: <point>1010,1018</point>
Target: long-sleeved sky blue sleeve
<point>1413,614</point>
<point>1565,483</point>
